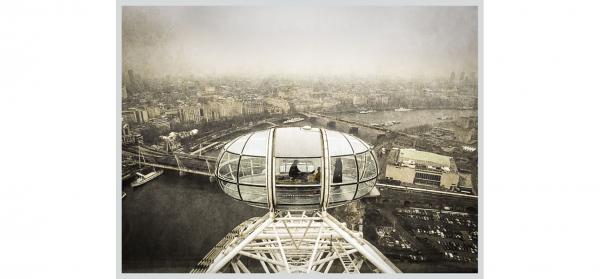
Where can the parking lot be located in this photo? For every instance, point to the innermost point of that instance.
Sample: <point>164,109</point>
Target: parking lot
<point>423,232</point>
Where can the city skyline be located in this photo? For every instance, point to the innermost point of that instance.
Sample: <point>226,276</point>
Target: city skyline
<point>403,42</point>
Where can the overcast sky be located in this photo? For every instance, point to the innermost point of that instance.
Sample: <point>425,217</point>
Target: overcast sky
<point>386,41</point>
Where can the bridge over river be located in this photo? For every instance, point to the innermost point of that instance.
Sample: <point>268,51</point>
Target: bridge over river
<point>178,161</point>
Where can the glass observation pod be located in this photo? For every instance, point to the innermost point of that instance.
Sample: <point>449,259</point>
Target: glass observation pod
<point>297,168</point>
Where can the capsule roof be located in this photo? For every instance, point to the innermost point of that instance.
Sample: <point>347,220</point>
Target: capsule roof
<point>297,142</point>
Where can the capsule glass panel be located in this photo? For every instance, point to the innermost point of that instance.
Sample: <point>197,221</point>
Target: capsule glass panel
<point>370,169</point>
<point>228,166</point>
<point>358,145</point>
<point>338,144</point>
<point>341,193</point>
<point>296,142</point>
<point>256,194</point>
<point>364,188</point>
<point>253,171</point>
<point>257,144</point>
<point>297,181</point>
<point>230,189</point>
<point>297,171</point>
<point>298,196</point>
<point>360,161</point>
<point>343,170</point>
<point>237,145</point>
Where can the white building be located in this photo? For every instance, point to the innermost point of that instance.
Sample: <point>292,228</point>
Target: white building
<point>420,167</point>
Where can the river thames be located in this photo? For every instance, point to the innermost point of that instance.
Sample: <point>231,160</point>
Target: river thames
<point>170,223</point>
<point>407,119</point>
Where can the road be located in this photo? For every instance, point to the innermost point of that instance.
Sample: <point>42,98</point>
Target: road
<point>416,189</point>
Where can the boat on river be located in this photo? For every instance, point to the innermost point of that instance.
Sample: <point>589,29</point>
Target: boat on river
<point>145,178</point>
<point>144,175</point>
<point>366,111</point>
<point>293,120</point>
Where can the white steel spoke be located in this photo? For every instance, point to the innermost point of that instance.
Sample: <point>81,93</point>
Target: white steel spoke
<point>293,242</point>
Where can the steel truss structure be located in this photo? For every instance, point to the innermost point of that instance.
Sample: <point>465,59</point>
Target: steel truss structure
<point>294,242</point>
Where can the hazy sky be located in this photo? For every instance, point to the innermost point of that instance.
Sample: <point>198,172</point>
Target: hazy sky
<point>388,41</point>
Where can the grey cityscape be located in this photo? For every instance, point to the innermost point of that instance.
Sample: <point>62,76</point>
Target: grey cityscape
<point>299,139</point>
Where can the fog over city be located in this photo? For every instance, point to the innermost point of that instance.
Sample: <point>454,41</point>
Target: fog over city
<point>404,42</point>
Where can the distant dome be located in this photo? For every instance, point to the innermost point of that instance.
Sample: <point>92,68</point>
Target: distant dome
<point>282,168</point>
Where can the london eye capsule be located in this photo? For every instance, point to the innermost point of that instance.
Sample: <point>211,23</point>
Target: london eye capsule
<point>296,168</point>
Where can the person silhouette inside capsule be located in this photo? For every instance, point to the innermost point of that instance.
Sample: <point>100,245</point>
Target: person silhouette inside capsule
<point>295,172</point>
<point>315,176</point>
<point>337,171</point>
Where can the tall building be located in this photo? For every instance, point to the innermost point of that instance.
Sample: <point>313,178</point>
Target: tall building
<point>153,112</point>
<point>190,114</point>
<point>128,116</point>
<point>124,92</point>
<point>141,116</point>
<point>218,108</point>
<point>232,107</point>
<point>252,107</point>
<point>135,115</point>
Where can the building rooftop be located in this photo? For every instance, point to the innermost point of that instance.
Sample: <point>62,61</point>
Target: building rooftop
<point>425,158</point>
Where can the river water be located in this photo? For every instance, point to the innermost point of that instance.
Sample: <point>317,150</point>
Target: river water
<point>170,223</point>
<point>408,119</point>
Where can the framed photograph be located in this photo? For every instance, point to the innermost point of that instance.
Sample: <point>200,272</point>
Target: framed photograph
<point>299,137</point>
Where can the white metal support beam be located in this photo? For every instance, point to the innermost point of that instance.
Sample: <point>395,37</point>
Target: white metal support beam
<point>314,252</point>
<point>294,242</point>
<point>287,265</point>
<point>364,250</point>
<point>226,256</point>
